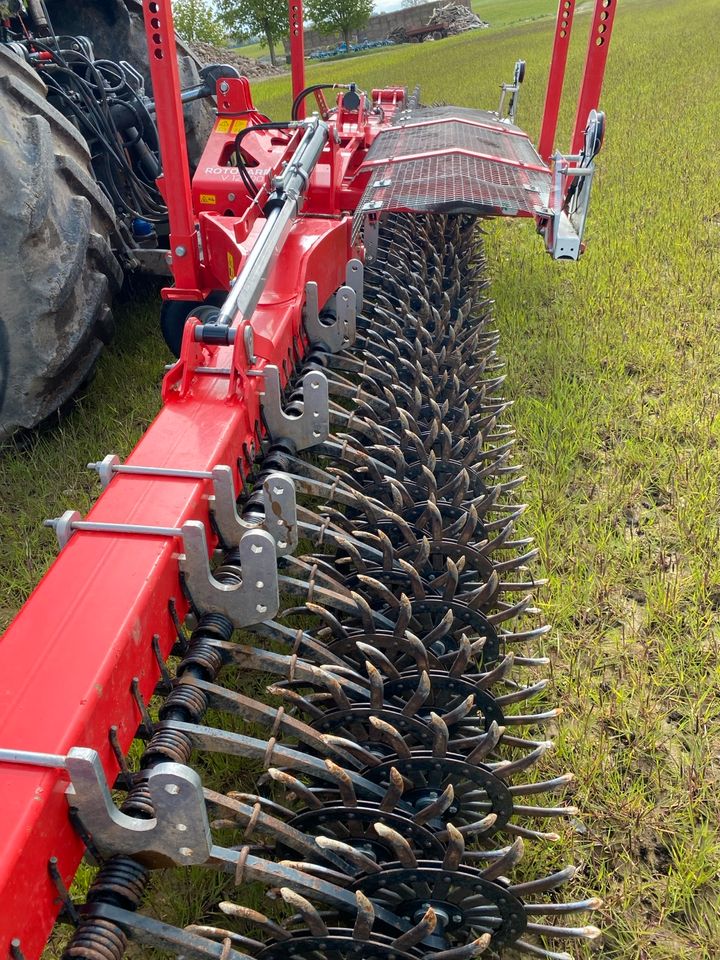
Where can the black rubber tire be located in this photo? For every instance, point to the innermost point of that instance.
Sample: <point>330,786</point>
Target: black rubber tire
<point>58,273</point>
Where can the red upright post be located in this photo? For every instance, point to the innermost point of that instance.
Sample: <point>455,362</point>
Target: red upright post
<point>598,48</point>
<point>297,51</point>
<point>175,183</point>
<point>556,78</point>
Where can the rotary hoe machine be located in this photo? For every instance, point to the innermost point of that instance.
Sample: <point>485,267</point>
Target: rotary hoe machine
<point>294,642</point>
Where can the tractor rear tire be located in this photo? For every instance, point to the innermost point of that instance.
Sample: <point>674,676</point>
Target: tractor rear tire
<point>58,273</point>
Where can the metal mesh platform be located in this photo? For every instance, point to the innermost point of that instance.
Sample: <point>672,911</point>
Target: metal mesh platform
<point>454,159</point>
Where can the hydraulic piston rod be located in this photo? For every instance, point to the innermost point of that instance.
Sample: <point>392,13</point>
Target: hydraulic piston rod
<point>286,203</point>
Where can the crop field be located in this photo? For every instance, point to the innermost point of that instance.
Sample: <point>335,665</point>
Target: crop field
<point>614,367</point>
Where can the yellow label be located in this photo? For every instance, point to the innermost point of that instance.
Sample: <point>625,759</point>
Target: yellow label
<point>208,198</point>
<point>223,126</point>
<point>231,266</point>
<point>238,125</point>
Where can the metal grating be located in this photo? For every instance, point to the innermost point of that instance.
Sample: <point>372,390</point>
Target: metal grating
<point>455,159</point>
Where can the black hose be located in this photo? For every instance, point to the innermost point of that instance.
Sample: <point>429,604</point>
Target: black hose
<point>306,93</point>
<point>241,168</point>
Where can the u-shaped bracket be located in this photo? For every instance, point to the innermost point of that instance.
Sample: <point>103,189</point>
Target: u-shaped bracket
<point>179,832</point>
<point>254,599</point>
<point>280,509</point>
<point>335,330</point>
<point>306,429</point>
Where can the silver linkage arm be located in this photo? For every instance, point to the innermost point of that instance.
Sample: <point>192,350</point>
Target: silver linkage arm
<point>565,226</point>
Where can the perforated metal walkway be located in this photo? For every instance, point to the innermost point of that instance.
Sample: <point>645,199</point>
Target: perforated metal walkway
<point>452,159</point>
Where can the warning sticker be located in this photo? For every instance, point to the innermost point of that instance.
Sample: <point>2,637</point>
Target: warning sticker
<point>226,125</point>
<point>208,198</point>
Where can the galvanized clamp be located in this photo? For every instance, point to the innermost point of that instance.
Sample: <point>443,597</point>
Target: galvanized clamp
<point>335,327</point>
<point>179,832</point>
<point>304,429</point>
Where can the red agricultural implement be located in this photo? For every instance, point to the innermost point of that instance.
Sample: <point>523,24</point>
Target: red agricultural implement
<point>329,474</point>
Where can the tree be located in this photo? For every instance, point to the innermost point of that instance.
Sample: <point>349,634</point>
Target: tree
<point>339,16</point>
<point>197,20</point>
<point>268,18</point>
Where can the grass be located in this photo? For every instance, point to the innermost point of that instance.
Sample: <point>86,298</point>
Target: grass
<point>613,364</point>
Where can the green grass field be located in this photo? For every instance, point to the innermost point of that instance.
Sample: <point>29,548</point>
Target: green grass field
<point>614,364</point>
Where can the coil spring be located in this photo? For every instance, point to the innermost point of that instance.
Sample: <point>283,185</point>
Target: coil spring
<point>97,939</point>
<point>122,883</point>
<point>186,702</point>
<point>167,745</point>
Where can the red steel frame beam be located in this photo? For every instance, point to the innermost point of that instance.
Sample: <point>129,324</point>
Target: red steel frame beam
<point>297,51</point>
<point>597,54</point>
<point>68,659</point>
<point>556,78</point>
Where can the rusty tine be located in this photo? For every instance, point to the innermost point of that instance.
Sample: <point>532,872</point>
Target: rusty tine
<point>240,912</point>
<point>355,856</point>
<point>394,791</point>
<point>377,687</point>
<point>455,848</point>
<point>365,917</point>
<point>392,736</point>
<point>401,847</point>
<point>420,695</point>
<point>466,952</point>
<point>437,808</point>
<point>487,743</point>
<point>441,735</point>
<point>345,785</point>
<point>379,659</point>
<point>315,923</point>
<point>296,786</point>
<point>504,864</point>
<point>417,933</point>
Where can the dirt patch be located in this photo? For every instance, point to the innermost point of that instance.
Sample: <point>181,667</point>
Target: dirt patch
<point>247,66</point>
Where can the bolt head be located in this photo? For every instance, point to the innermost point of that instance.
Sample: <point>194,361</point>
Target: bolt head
<point>180,251</point>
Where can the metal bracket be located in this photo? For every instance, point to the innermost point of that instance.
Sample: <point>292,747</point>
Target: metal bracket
<point>254,599</point>
<point>305,429</point>
<point>278,494</point>
<point>371,236</point>
<point>355,278</point>
<point>565,227</point>
<point>514,90</point>
<point>280,509</point>
<point>336,329</point>
<point>180,831</point>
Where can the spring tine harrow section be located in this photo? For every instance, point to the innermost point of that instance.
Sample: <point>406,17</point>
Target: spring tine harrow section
<point>396,718</point>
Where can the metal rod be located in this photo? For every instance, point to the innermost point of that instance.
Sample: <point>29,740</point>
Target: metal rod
<point>135,528</point>
<point>32,758</point>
